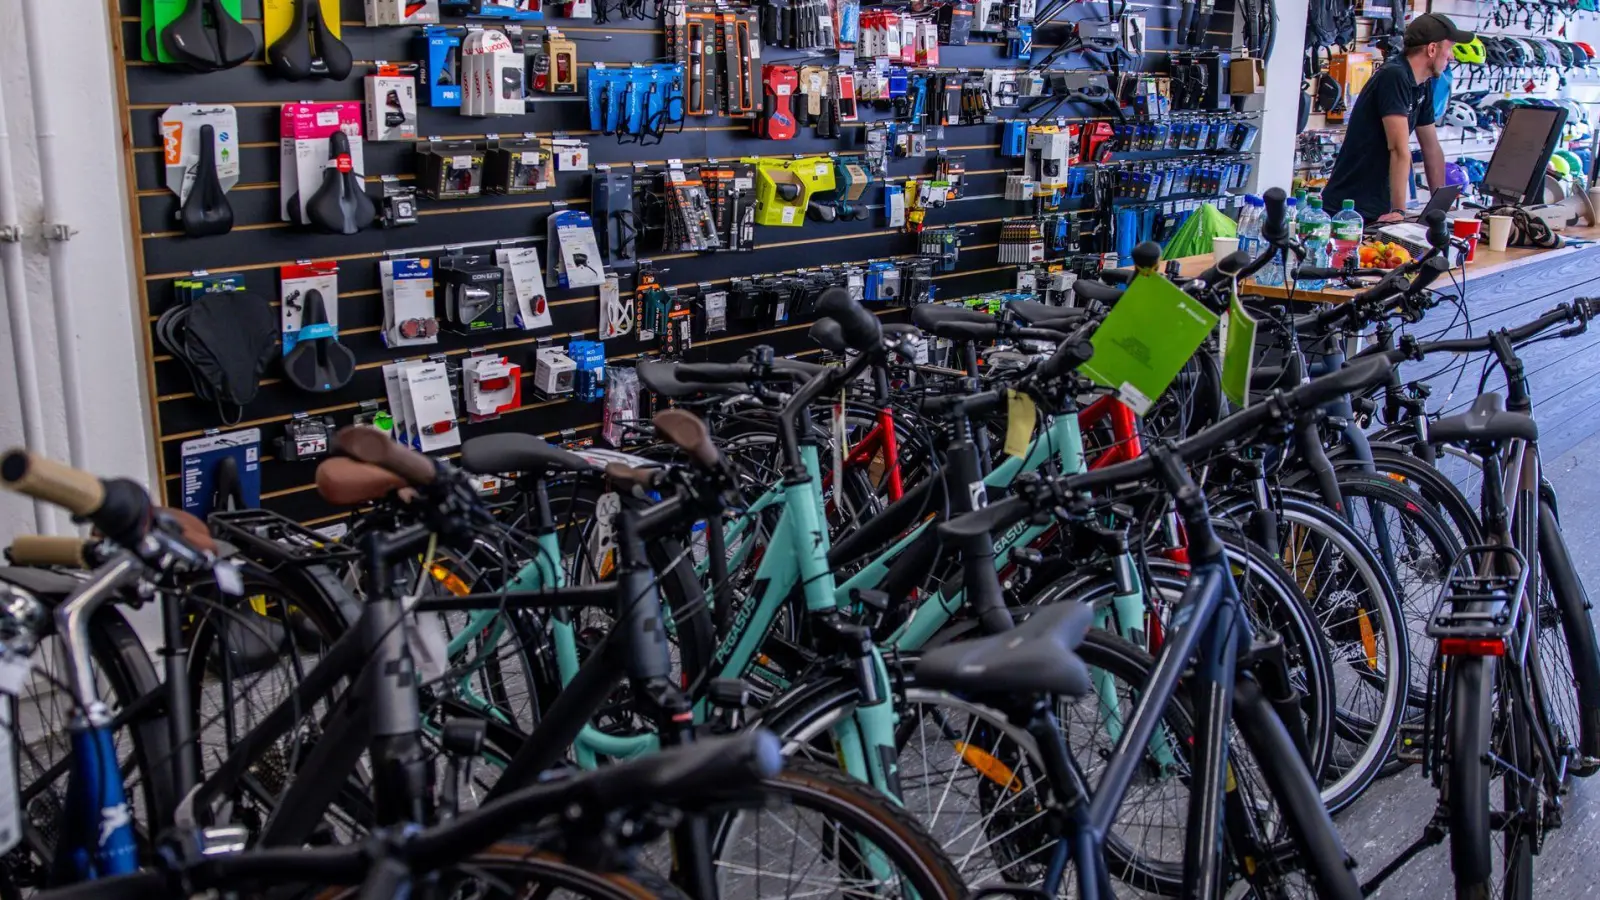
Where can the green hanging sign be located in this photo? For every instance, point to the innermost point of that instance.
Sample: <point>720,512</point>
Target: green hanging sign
<point>1146,338</point>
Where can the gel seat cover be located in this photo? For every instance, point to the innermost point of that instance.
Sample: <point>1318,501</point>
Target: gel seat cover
<point>206,37</point>
<point>318,365</point>
<point>308,49</point>
<point>227,340</point>
<point>206,212</point>
<point>341,205</point>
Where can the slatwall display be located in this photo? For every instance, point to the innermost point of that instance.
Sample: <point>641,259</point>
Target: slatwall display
<point>259,243</point>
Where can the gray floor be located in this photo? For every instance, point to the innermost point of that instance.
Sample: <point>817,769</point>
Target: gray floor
<point>1565,378</point>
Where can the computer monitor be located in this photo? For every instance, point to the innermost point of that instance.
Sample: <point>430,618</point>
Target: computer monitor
<point>1516,171</point>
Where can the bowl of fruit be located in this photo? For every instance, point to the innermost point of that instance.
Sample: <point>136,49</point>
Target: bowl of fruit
<point>1383,255</point>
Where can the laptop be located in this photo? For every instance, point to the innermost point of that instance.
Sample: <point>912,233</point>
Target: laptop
<point>1440,200</point>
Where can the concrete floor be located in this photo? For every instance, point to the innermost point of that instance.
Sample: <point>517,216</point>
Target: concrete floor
<point>1393,812</point>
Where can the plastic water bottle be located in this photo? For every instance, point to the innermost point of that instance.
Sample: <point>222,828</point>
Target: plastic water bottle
<point>1347,228</point>
<point>1316,233</point>
<point>1250,225</point>
<point>1272,274</point>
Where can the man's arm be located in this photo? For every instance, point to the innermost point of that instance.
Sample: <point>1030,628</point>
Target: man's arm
<point>1432,156</point>
<point>1397,131</point>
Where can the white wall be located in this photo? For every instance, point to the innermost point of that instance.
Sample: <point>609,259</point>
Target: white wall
<point>1281,114</point>
<point>104,321</point>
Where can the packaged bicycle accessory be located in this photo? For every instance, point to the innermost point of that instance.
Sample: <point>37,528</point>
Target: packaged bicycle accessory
<point>402,12</point>
<point>410,317</point>
<point>572,155</point>
<point>298,280</point>
<point>731,189</point>
<point>341,204</point>
<point>491,385</point>
<point>491,75</point>
<point>222,471</point>
<point>305,149</point>
<point>589,369</point>
<point>302,39</point>
<point>394,390</point>
<point>611,201</point>
<point>471,294</point>
<point>616,315</point>
<point>431,406</point>
<point>439,55</point>
<point>305,437</point>
<point>205,35</point>
<point>201,151</point>
<point>514,10</point>
<point>784,187</point>
<point>575,255</point>
<point>563,60</point>
<point>313,358</point>
<point>398,207</point>
<point>720,52</point>
<point>449,170</point>
<point>225,337</point>
<point>690,224</point>
<point>517,166</point>
<point>553,372</point>
<point>526,304</point>
<point>622,406</point>
<point>391,105</point>
<point>779,85</point>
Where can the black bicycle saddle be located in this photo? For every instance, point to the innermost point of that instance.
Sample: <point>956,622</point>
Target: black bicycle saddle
<point>206,212</point>
<point>1036,657</point>
<point>341,205</point>
<point>318,365</point>
<point>309,49</point>
<point>206,37</point>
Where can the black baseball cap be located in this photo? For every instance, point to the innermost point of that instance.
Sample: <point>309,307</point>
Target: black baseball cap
<point>1430,27</point>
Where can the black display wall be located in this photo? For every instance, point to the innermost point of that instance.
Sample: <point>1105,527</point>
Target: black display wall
<point>260,243</point>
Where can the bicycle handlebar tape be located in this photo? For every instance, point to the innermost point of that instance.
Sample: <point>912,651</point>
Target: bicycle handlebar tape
<point>828,334</point>
<point>1347,380</point>
<point>1072,353</point>
<point>685,430</point>
<point>43,550</point>
<point>370,445</point>
<point>1275,227</point>
<point>861,329</point>
<point>1438,230</point>
<point>1147,256</point>
<point>346,482</point>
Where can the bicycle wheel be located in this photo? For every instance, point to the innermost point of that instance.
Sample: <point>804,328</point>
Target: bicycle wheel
<point>1445,487</point>
<point>1491,829</point>
<point>828,835</point>
<point>515,873</point>
<point>1569,662</point>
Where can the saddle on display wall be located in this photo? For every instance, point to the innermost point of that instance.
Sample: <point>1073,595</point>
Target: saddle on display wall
<point>309,48</point>
<point>207,36</point>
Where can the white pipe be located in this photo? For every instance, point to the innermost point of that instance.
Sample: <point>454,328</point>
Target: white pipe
<point>21,317</point>
<point>57,233</point>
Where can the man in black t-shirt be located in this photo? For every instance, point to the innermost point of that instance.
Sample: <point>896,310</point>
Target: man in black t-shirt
<point>1374,165</point>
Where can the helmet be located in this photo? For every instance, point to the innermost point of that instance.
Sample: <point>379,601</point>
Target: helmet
<point>1588,52</point>
<point>1474,168</point>
<point>1558,167</point>
<point>1470,53</point>
<point>1535,52</point>
<point>1569,53</point>
<point>1574,164</point>
<point>1454,174</point>
<point>1460,115</point>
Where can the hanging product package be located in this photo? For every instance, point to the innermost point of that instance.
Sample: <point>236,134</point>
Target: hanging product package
<point>302,38</point>
<point>409,316</point>
<point>321,167</point>
<point>225,337</point>
<point>222,472</point>
<point>205,35</point>
<point>526,303</point>
<point>201,149</point>
<point>313,358</point>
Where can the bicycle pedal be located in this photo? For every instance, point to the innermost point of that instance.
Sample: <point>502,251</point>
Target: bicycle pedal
<point>1410,746</point>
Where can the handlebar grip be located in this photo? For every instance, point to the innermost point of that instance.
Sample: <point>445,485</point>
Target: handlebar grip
<point>1317,272</point>
<point>715,373</point>
<point>687,772</point>
<point>1275,226</point>
<point>137,886</point>
<point>369,445</point>
<point>1147,255</point>
<point>1229,266</point>
<point>42,550</point>
<point>44,479</point>
<point>1347,380</point>
<point>1426,275</point>
<point>1072,353</point>
<point>1438,230</point>
<point>861,329</point>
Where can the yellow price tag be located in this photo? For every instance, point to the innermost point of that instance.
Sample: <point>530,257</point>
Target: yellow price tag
<point>1020,418</point>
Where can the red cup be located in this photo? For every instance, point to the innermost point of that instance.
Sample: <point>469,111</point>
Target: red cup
<point>1468,229</point>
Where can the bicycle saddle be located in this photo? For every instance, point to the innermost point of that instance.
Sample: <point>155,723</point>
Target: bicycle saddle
<point>956,323</point>
<point>662,378</point>
<point>1095,292</point>
<point>492,454</point>
<point>206,37</point>
<point>318,364</point>
<point>309,49</point>
<point>1043,315</point>
<point>341,205</point>
<point>1486,421</point>
<point>1036,657</point>
<point>206,212</point>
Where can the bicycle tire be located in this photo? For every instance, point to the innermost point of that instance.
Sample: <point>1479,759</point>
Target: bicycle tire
<point>554,873</point>
<point>852,807</point>
<point>1395,463</point>
<point>1470,695</point>
<point>1578,641</point>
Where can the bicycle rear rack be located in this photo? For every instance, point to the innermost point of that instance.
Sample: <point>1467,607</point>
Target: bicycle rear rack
<point>1480,606</point>
<point>272,539</point>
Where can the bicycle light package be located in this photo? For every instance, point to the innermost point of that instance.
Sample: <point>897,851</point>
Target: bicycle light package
<point>430,405</point>
<point>490,386</point>
<point>553,372</point>
<point>517,166</point>
<point>410,317</point>
<point>439,55</point>
<point>449,170</point>
<point>471,294</point>
<point>491,74</point>
<point>305,437</point>
<point>321,167</point>
<point>526,304</point>
<point>402,12</point>
<point>561,56</point>
<point>391,105</point>
<point>302,38</point>
<point>784,187</point>
<point>575,259</point>
<point>202,163</point>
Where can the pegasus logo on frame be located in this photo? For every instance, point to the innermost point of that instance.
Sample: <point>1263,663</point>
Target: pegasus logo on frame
<point>113,818</point>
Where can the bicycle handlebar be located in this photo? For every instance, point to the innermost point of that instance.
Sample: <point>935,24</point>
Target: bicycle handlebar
<point>44,550</point>
<point>119,508</point>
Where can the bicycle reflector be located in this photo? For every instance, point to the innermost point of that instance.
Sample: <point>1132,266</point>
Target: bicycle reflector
<point>1459,646</point>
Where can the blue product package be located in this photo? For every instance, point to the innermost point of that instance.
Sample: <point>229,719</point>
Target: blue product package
<point>201,459</point>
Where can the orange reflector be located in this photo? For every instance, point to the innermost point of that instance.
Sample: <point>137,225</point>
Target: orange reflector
<point>1472,646</point>
<point>1369,641</point>
<point>451,581</point>
<point>989,767</point>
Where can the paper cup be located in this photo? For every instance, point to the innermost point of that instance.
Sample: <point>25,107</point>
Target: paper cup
<point>1222,248</point>
<point>1499,233</point>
